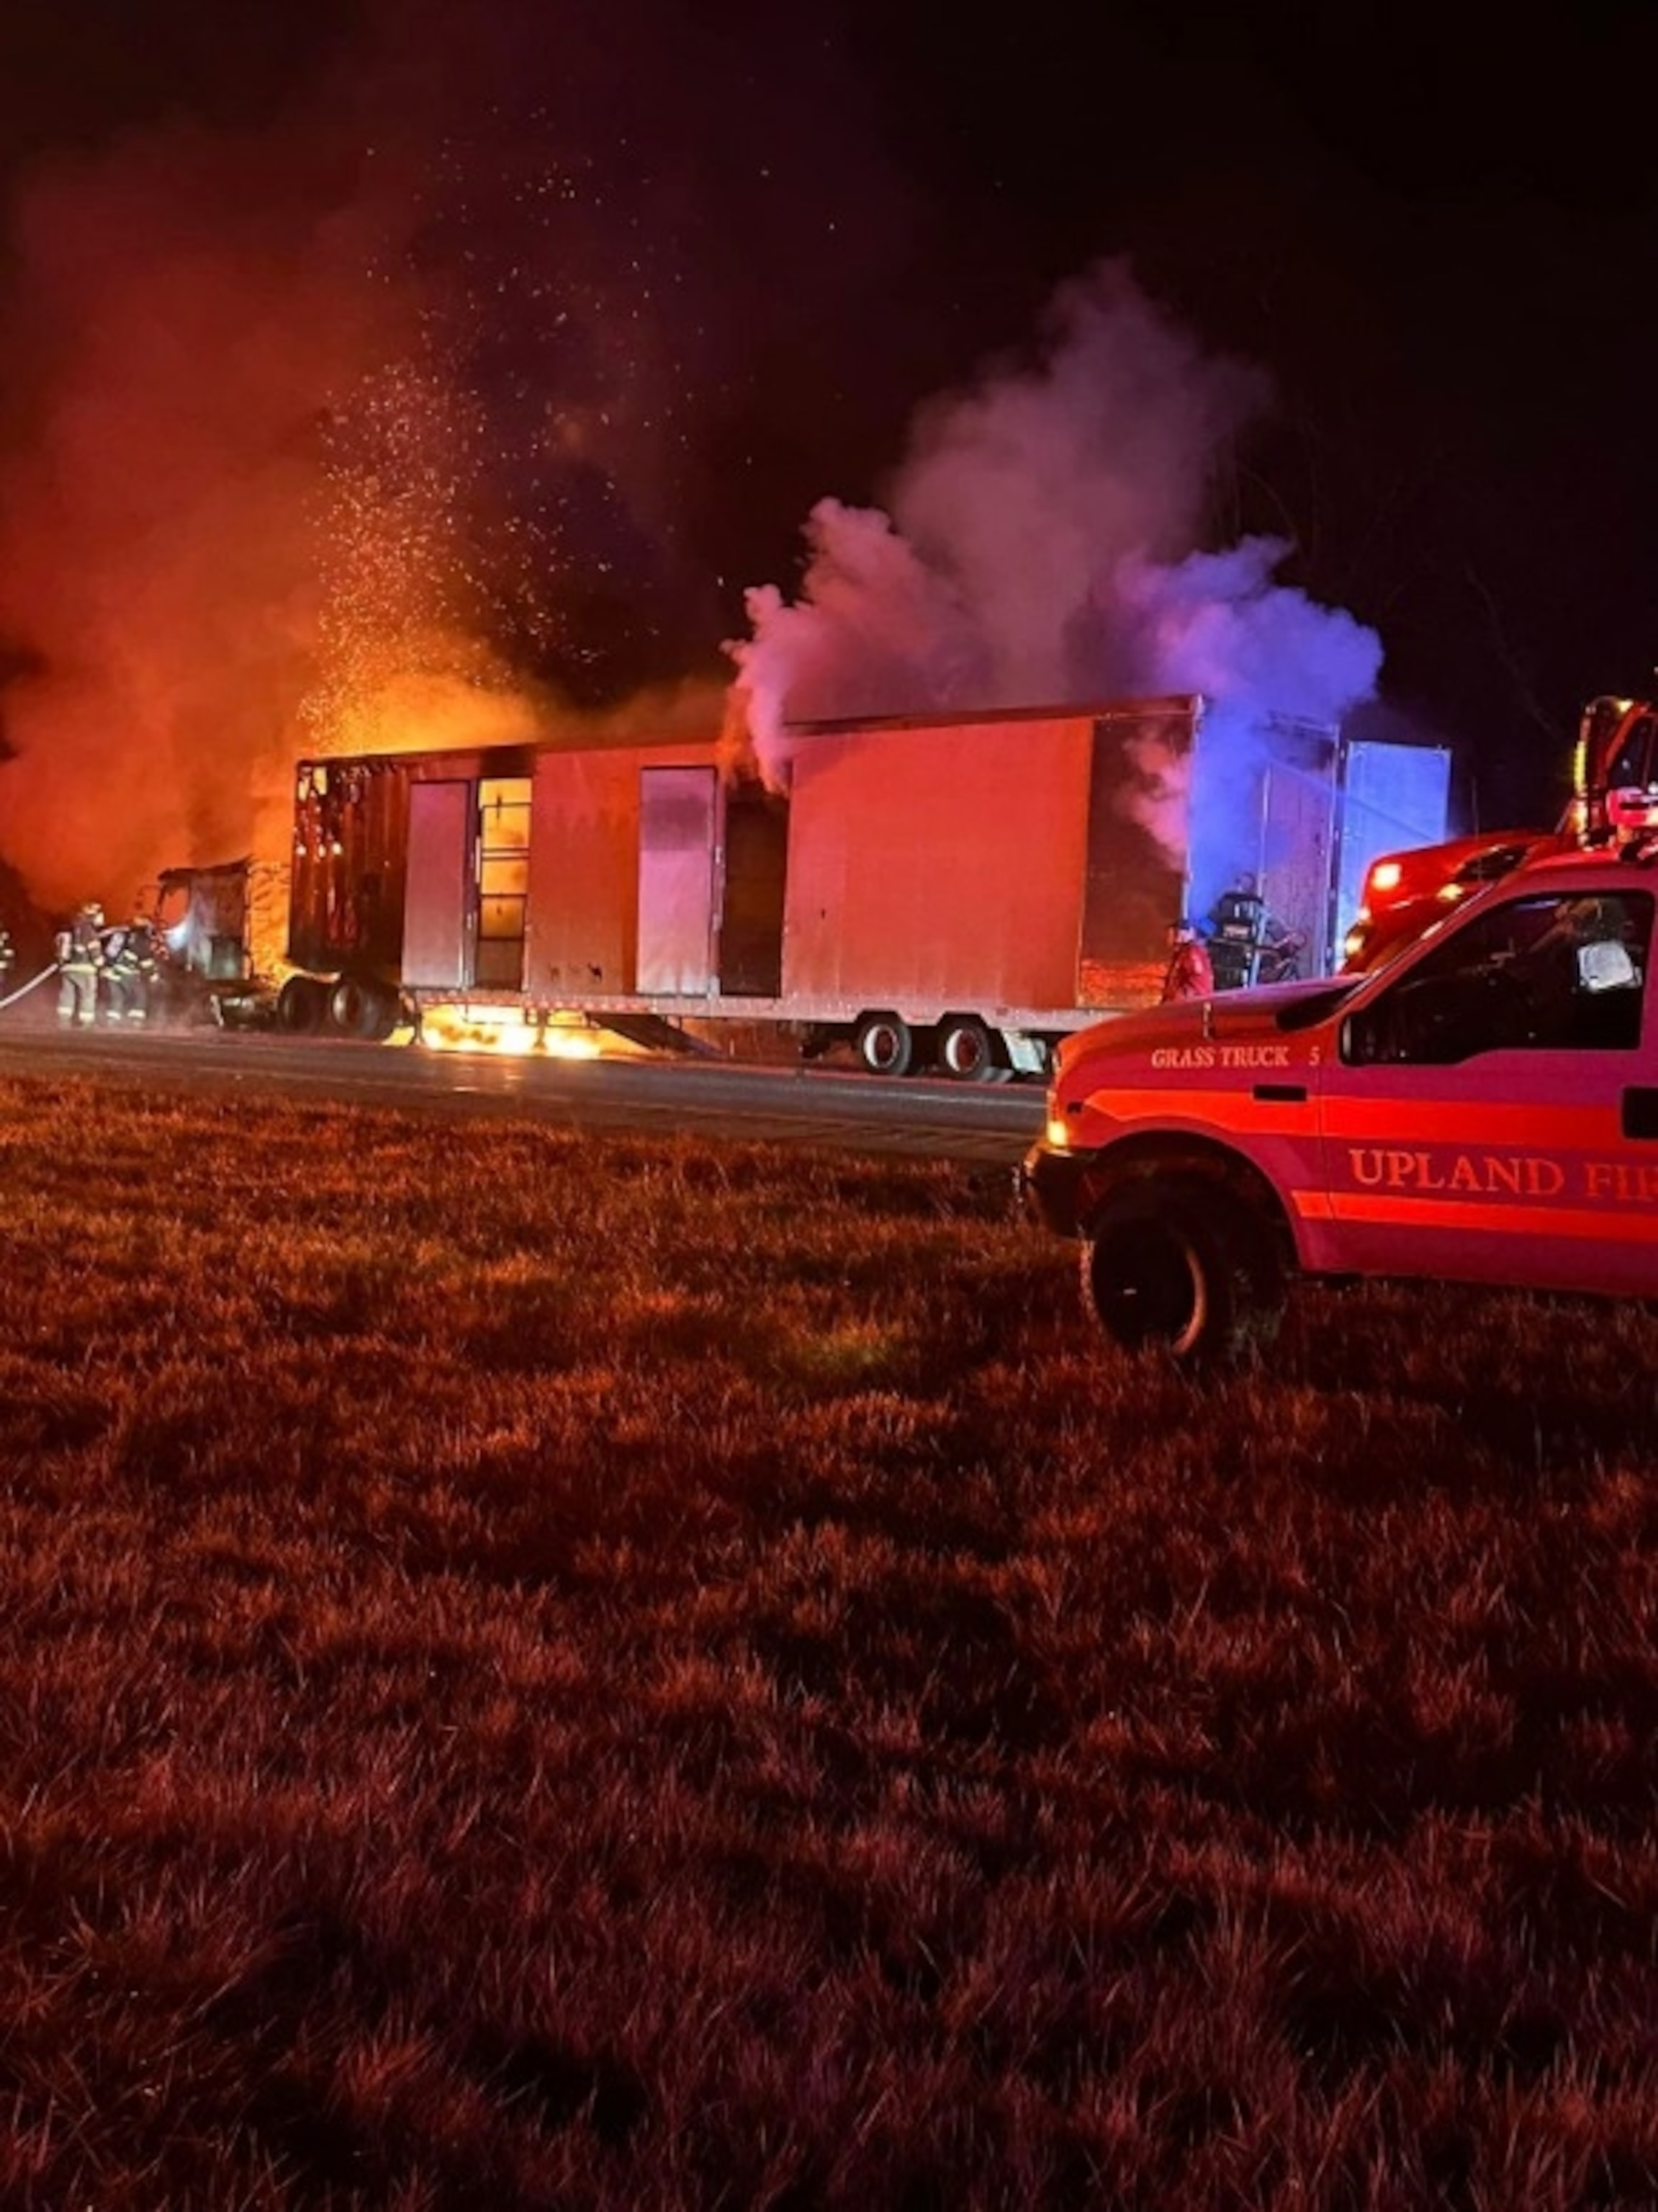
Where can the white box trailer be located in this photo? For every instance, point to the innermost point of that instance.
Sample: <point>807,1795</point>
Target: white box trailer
<point>958,890</point>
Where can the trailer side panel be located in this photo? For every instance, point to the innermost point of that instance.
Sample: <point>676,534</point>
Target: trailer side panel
<point>583,927</point>
<point>584,876</point>
<point>439,902</point>
<point>678,851</point>
<point>940,862</point>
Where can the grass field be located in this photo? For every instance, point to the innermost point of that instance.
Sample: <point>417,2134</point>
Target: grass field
<point>537,1672</point>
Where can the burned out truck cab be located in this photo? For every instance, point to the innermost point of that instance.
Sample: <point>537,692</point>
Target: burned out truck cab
<point>1482,1108</point>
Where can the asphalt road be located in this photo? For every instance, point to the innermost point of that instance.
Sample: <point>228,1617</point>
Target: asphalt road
<point>819,1107</point>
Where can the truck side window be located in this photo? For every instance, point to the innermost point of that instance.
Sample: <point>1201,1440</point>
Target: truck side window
<point>1556,971</point>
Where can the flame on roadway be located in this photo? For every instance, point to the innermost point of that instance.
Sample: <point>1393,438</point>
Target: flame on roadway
<point>507,1031</point>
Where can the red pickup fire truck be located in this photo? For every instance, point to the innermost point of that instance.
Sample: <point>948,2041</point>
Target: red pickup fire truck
<point>1482,1108</point>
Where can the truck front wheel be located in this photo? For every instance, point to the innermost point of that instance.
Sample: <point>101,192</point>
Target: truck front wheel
<point>1179,1266</point>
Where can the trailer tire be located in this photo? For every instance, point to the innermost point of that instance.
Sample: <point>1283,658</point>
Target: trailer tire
<point>967,1051</point>
<point>362,1008</point>
<point>302,1005</point>
<point>1179,1265</point>
<point>886,1044</point>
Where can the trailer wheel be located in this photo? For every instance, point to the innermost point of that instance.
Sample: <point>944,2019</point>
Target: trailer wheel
<point>1178,1264</point>
<point>363,1009</point>
<point>966,1052</point>
<point>302,1005</point>
<point>885,1044</point>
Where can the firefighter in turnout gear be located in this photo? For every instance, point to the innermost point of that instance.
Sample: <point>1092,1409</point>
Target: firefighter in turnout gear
<point>79,948</point>
<point>130,970</point>
<point>1248,945</point>
<point>1189,974</point>
<point>1237,925</point>
<point>7,956</point>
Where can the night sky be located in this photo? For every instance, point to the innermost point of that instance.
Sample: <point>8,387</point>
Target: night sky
<point>695,275</point>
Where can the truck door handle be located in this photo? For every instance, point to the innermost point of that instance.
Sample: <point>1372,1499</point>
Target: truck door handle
<point>1641,1113</point>
<point>1281,1094</point>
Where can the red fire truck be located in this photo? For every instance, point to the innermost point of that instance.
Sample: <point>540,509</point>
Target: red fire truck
<point>1614,797</point>
<point>1481,1108</point>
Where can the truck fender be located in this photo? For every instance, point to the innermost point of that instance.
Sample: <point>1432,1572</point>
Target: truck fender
<point>1181,1262</point>
<point>1217,1170</point>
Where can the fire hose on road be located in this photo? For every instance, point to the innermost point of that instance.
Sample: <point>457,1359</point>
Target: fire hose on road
<point>23,989</point>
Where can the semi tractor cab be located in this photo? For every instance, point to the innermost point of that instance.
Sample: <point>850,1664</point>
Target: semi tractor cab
<point>1482,1109</point>
<point>1614,800</point>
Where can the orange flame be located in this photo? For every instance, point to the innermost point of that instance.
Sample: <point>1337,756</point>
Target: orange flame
<point>509,1033</point>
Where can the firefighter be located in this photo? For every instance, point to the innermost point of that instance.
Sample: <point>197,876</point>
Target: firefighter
<point>1252,945</point>
<point>129,968</point>
<point>111,945</point>
<point>79,948</point>
<point>1190,973</point>
<point>143,951</point>
<point>7,956</point>
<point>1236,926</point>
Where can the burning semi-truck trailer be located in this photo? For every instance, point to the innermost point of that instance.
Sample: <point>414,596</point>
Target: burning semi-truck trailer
<point>956,891</point>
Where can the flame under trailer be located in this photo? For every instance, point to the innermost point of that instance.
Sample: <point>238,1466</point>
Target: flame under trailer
<point>953,891</point>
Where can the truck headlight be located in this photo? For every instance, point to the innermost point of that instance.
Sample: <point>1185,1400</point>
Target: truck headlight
<point>1059,1133</point>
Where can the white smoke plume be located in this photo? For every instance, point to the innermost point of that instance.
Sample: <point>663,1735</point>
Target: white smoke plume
<point>1216,623</point>
<point>874,623</point>
<point>1044,549</point>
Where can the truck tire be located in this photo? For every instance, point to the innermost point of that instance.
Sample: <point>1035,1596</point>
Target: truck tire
<point>966,1052</point>
<point>885,1044</point>
<point>361,1008</point>
<point>302,1005</point>
<point>1178,1264</point>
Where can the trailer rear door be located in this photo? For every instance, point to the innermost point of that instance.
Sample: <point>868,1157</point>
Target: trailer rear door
<point>677,822</point>
<point>1298,810</point>
<point>440,903</point>
<point>1395,798</point>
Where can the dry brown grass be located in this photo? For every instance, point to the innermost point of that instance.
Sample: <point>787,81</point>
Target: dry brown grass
<point>535,1673</point>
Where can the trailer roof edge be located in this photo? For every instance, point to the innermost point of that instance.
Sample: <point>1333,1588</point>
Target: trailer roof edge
<point>1075,710</point>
